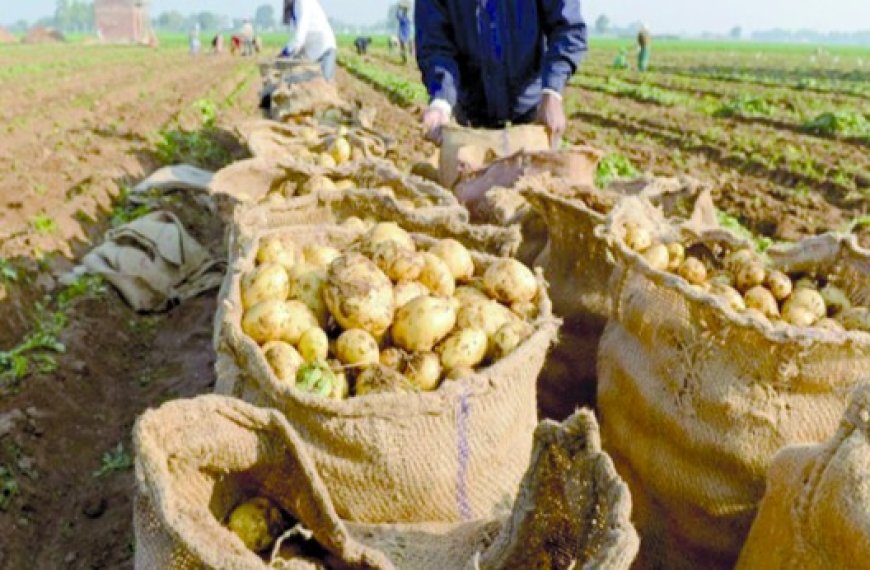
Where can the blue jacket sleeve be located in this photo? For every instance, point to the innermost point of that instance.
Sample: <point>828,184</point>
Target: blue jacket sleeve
<point>436,50</point>
<point>566,42</point>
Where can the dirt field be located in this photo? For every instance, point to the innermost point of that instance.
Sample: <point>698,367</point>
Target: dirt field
<point>79,129</point>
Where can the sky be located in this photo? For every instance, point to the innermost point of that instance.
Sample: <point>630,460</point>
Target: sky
<point>663,16</point>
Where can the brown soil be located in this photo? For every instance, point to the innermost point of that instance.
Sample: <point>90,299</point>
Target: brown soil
<point>55,428</point>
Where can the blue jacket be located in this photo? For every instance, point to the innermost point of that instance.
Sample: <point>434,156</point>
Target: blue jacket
<point>490,59</point>
<point>404,27</point>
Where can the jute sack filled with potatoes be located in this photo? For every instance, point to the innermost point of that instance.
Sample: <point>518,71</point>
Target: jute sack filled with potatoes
<point>816,510</point>
<point>714,358</point>
<point>407,363</point>
<point>302,186</point>
<point>222,484</point>
<point>577,266</point>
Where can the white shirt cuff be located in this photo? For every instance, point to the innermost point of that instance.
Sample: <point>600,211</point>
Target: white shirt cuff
<point>441,105</point>
<point>552,92</point>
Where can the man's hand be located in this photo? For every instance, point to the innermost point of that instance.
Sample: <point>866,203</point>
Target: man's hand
<point>551,114</point>
<point>433,121</point>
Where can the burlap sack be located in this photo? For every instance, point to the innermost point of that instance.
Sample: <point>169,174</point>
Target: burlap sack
<point>450,455</point>
<point>465,150</point>
<point>255,179</point>
<point>815,514</point>
<point>578,268</point>
<point>696,398</point>
<point>289,101</point>
<point>197,459</point>
<point>278,141</point>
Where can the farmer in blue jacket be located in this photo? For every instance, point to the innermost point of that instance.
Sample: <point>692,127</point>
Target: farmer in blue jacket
<point>493,62</point>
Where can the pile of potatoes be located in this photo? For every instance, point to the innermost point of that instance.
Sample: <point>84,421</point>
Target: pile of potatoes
<point>748,285</point>
<point>383,315</point>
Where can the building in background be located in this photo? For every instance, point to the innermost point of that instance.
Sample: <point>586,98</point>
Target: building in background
<point>123,21</point>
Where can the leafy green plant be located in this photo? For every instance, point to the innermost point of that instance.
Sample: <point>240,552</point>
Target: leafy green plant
<point>200,147</point>
<point>43,224</point>
<point>400,90</point>
<point>731,223</point>
<point>117,459</point>
<point>745,106</point>
<point>614,166</point>
<point>8,272</point>
<point>839,123</point>
<point>124,211</point>
<point>8,487</point>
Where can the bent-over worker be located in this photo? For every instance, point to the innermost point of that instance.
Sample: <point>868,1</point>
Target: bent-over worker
<point>314,36</point>
<point>494,62</point>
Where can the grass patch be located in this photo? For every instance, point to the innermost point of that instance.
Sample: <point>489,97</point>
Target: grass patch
<point>839,124</point>
<point>745,106</point>
<point>43,224</point>
<point>732,224</point>
<point>200,147</point>
<point>8,487</point>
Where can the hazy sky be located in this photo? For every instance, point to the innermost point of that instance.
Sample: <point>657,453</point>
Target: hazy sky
<point>661,15</point>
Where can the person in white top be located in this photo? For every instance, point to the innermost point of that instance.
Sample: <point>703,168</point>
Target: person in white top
<point>248,38</point>
<point>314,36</point>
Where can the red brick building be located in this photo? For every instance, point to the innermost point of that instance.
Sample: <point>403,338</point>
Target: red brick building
<point>121,21</point>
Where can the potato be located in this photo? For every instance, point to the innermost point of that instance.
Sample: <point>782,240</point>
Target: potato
<point>488,316</point>
<point>306,284</point>
<point>359,295</point>
<point>798,315</point>
<point>301,318</point>
<point>676,255</point>
<point>284,360</point>
<point>340,150</point>
<point>779,284</point>
<point>750,275</point>
<point>341,390</point>
<point>509,281</point>
<point>356,347</point>
<point>806,283</point>
<point>855,319</point>
<point>526,310</point>
<point>407,291</point>
<point>808,299</point>
<point>467,294</point>
<point>394,358</point>
<point>693,271</point>
<point>269,320</point>
<point>829,324</point>
<point>459,373</point>
<point>637,238</point>
<point>325,160</point>
<point>398,263</point>
<point>737,259</point>
<point>457,258</point>
<point>424,370</point>
<point>279,250</point>
<point>258,522</point>
<point>835,299</point>
<point>354,224</point>
<point>436,276</point>
<point>320,255</point>
<point>731,296</point>
<point>657,257</point>
<point>314,345</point>
<point>423,323</point>
<point>315,184</point>
<point>379,379</point>
<point>387,231</point>
<point>762,299</point>
<point>266,282</point>
<point>508,338</point>
<point>722,278</point>
<point>319,379</point>
<point>464,349</point>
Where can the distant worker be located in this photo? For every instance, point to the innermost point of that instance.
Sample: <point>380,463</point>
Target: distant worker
<point>621,60</point>
<point>247,33</point>
<point>314,37</point>
<point>404,18</point>
<point>236,45</point>
<point>643,41</point>
<point>514,73</point>
<point>217,44</point>
<point>362,45</point>
<point>195,43</point>
<point>258,44</point>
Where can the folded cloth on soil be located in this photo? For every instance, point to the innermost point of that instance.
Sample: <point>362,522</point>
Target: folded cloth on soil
<point>714,392</point>
<point>197,459</point>
<point>815,514</point>
<point>154,263</point>
<point>177,177</point>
